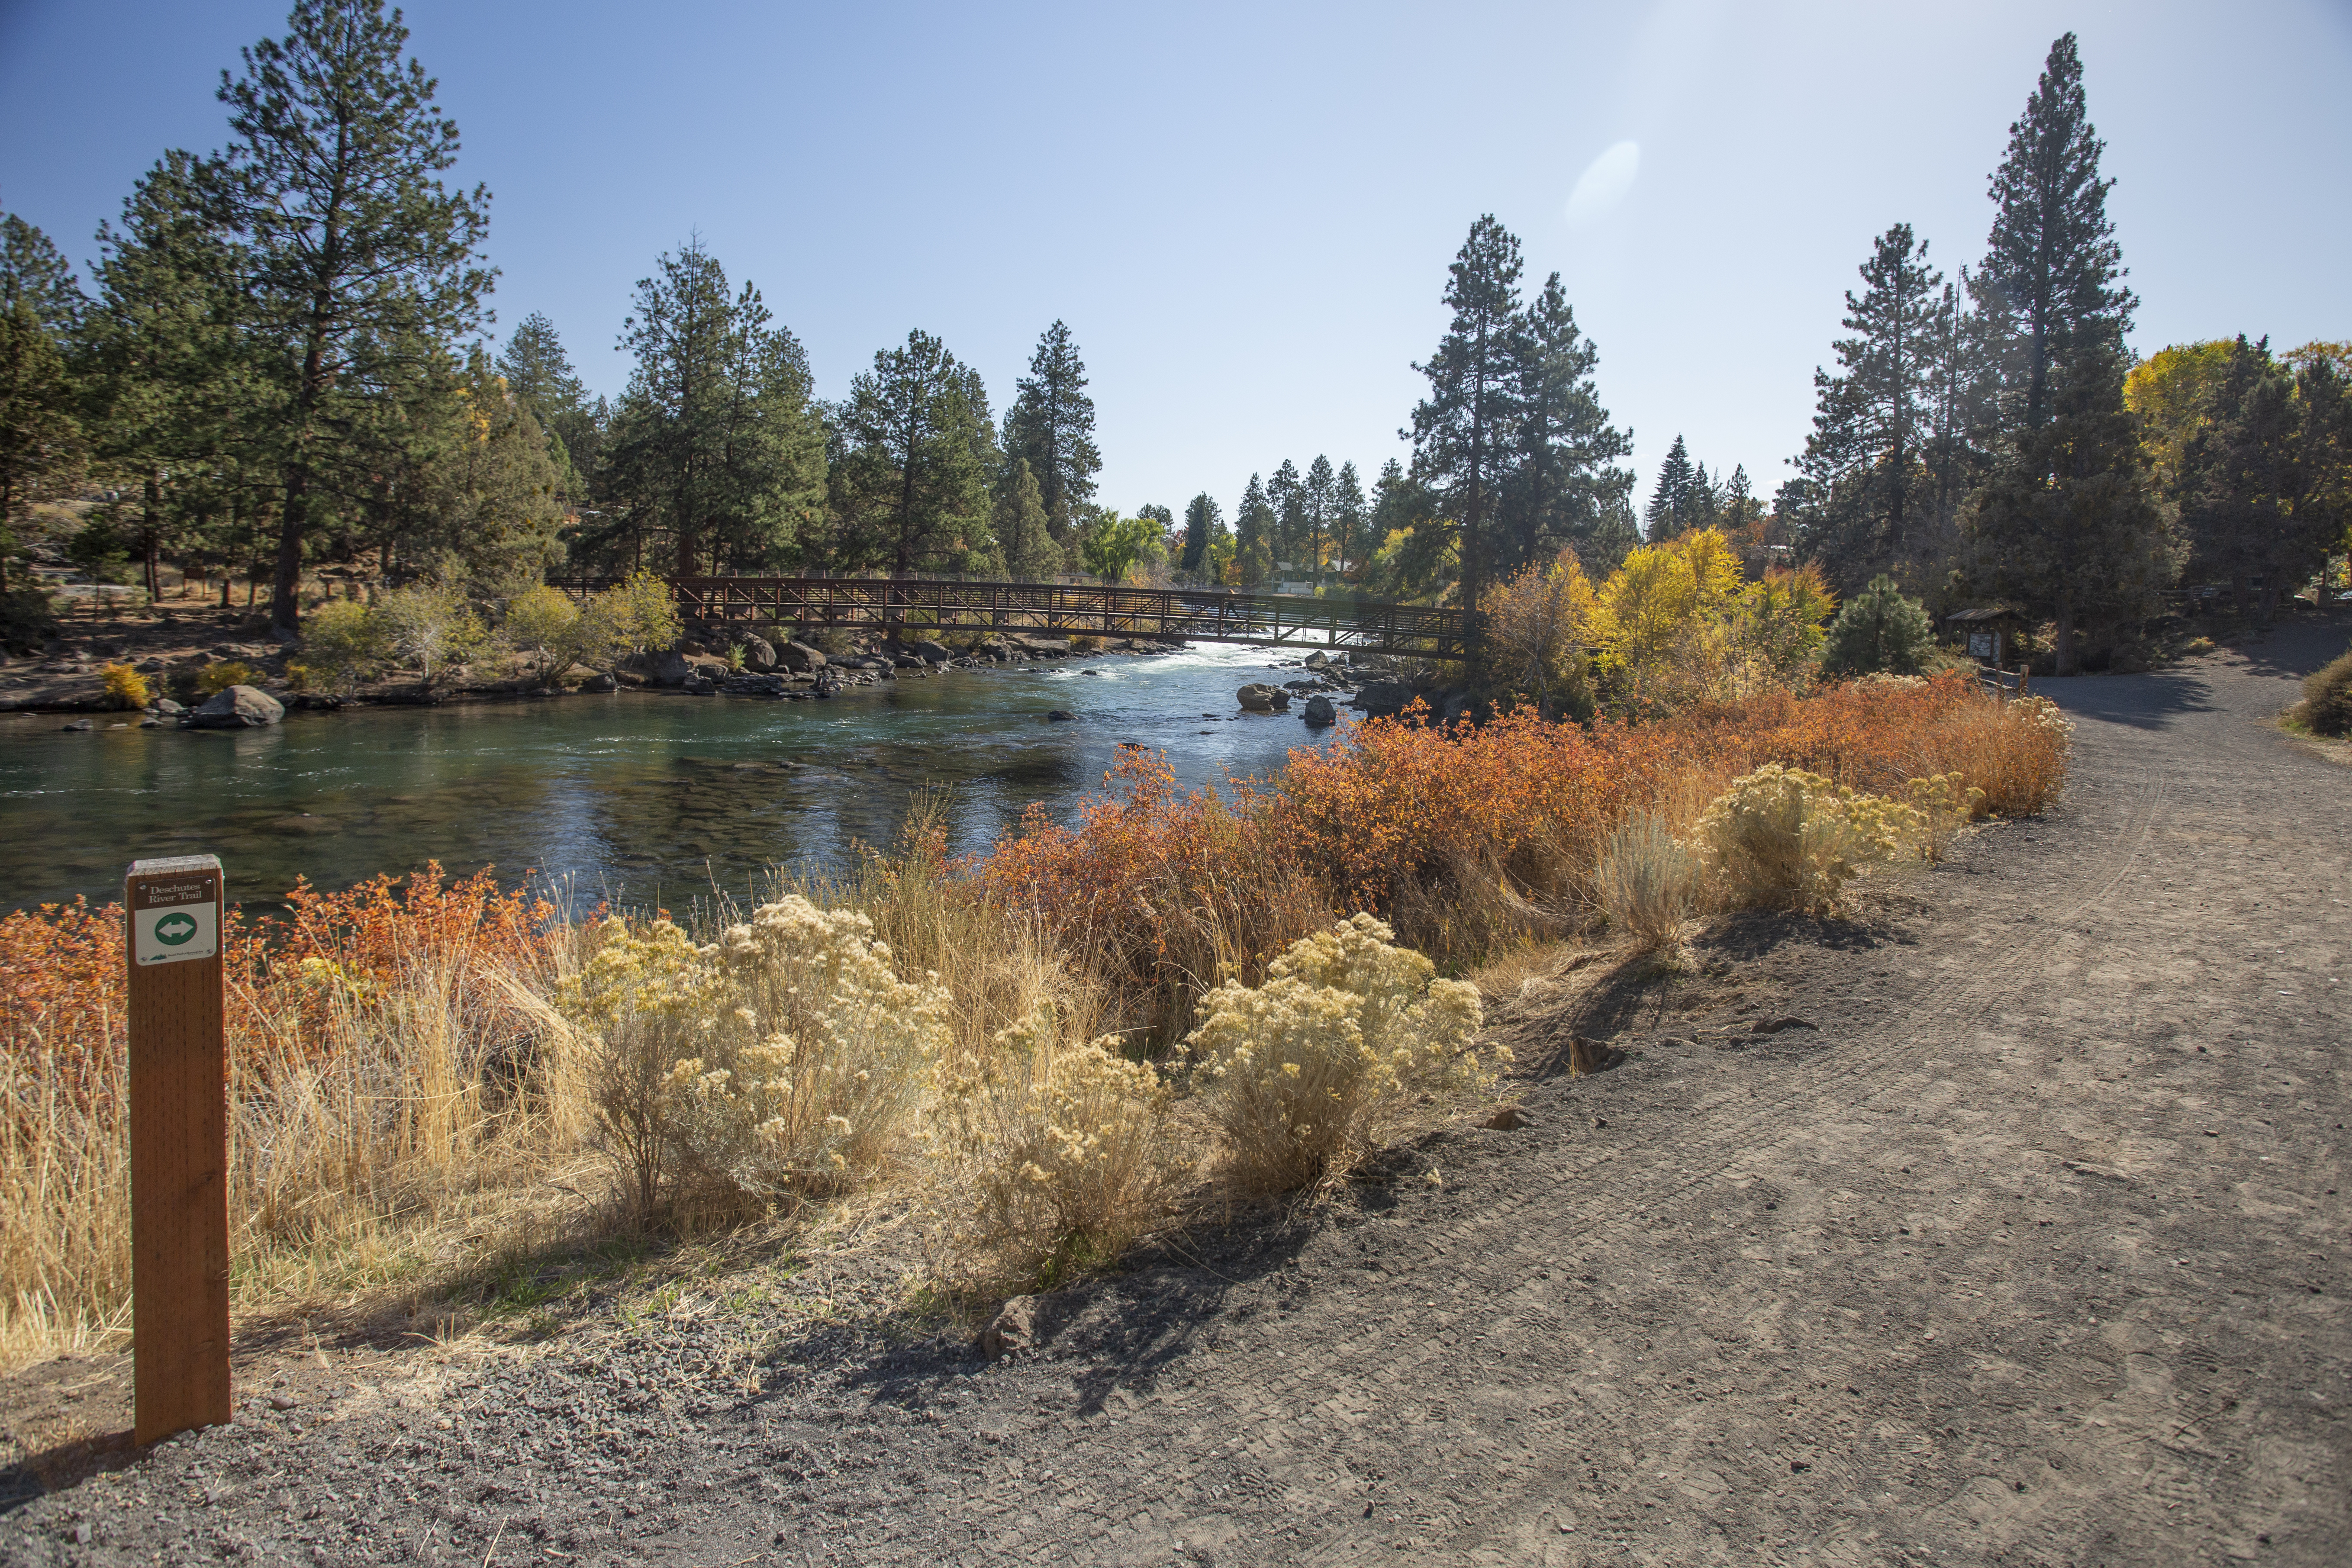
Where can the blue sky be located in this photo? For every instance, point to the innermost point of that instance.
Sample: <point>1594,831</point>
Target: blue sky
<point>1245,212</point>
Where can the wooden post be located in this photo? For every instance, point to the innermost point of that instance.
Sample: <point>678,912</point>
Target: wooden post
<point>179,1146</point>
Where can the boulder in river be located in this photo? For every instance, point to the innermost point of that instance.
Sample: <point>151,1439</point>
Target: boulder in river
<point>1317,659</point>
<point>1260,698</point>
<point>1320,711</point>
<point>758,654</point>
<point>800,657</point>
<point>670,669</point>
<point>1383,698</point>
<point>238,708</point>
<point>167,708</point>
<point>1058,717</point>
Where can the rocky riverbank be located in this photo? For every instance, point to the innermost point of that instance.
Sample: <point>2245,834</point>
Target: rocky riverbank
<point>174,652</point>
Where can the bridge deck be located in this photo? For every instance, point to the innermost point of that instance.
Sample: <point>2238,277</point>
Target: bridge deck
<point>915,604</point>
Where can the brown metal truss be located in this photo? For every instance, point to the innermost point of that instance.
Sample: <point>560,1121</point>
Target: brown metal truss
<point>1196,615</point>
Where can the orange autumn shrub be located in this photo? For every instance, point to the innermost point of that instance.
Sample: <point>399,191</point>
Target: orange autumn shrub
<point>379,1062</point>
<point>1158,894</point>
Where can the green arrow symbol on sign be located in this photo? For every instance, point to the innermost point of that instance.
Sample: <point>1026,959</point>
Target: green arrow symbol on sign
<point>174,930</point>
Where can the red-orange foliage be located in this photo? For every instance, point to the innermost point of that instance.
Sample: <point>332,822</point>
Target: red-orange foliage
<point>62,983</point>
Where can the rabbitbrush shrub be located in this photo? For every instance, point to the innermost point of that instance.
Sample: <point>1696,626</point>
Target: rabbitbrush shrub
<point>1331,1055</point>
<point>787,1059</point>
<point>1783,838</point>
<point>1052,1155</point>
<point>2327,699</point>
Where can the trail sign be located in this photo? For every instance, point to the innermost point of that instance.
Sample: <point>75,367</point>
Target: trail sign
<point>179,1146</point>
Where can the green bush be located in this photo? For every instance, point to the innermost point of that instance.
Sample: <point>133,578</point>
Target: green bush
<point>1879,632</point>
<point>2327,699</point>
<point>28,618</point>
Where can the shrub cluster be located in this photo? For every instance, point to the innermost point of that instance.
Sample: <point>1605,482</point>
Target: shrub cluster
<point>2327,699</point>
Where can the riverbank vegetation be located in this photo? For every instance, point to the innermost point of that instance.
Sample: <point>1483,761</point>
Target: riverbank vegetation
<point>1041,1051</point>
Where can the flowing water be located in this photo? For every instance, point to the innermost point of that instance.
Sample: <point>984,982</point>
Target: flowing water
<point>639,798</point>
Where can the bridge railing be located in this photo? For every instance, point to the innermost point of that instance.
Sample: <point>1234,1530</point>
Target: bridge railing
<point>912,605</point>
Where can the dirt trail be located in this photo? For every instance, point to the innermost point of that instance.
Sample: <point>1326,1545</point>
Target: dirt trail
<point>2032,1252</point>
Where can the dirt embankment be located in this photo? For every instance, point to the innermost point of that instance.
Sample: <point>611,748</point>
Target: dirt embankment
<point>2030,1249</point>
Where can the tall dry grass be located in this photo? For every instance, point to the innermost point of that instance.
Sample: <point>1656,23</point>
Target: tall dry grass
<point>385,1095</point>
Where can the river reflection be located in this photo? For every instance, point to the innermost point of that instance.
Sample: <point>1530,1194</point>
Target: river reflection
<point>639,798</point>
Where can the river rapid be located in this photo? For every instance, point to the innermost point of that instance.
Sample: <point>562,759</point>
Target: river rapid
<point>639,798</point>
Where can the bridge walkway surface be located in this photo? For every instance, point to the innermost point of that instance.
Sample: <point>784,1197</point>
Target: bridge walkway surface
<point>941,605</point>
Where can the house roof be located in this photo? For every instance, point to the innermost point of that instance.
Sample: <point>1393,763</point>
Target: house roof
<point>1982,617</point>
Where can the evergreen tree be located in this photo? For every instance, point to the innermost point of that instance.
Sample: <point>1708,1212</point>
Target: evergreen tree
<point>1318,506</point>
<point>1052,423</point>
<point>360,266</point>
<point>1352,520</point>
<point>919,444</point>
<point>1879,632</point>
<point>1203,522</point>
<point>1670,503</point>
<point>2070,526</point>
<point>716,442</point>
<point>40,441</point>
<point>1286,493</point>
<point>1565,481</point>
<point>2053,254</point>
<point>1254,527</point>
<point>540,373</point>
<point>172,396</point>
<point>1871,421</point>
<point>33,270</point>
<point>2069,522</point>
<point>2262,481</point>
<point>1462,431</point>
<point>41,449</point>
<point>1018,520</point>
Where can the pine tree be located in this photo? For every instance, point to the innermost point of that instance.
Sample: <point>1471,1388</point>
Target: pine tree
<point>2070,526</point>
<point>1463,430</point>
<point>1052,423</point>
<point>40,441</point>
<point>919,443</point>
<point>1018,520</point>
<point>2069,522</point>
<point>1350,519</point>
<point>1254,527</point>
<point>716,442</point>
<point>1203,521</point>
<point>173,398</point>
<point>1286,493</point>
<point>2052,253</point>
<point>1879,632</point>
<point>1318,506</point>
<point>1670,501</point>
<point>1565,482</point>
<point>33,270</point>
<point>2262,482</point>
<point>1865,455</point>
<point>539,371</point>
<point>360,266</point>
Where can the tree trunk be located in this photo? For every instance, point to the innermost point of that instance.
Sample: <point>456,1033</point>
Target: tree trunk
<point>2063,655</point>
<point>151,532</point>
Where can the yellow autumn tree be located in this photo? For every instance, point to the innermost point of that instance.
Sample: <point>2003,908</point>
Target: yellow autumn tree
<point>1539,625</point>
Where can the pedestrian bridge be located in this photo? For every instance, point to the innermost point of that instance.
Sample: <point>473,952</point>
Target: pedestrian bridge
<point>907,606</point>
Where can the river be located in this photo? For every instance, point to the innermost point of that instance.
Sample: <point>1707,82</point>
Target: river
<point>639,798</point>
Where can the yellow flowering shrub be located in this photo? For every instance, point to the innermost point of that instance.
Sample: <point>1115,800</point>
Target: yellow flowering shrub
<point>787,1056</point>
<point>1052,1154</point>
<point>825,1049</point>
<point>1332,1054</point>
<point>1784,837</point>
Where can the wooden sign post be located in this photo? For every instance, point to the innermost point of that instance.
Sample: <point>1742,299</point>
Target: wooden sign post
<point>179,1146</point>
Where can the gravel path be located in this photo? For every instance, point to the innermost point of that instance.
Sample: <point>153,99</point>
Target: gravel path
<point>2030,1252</point>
